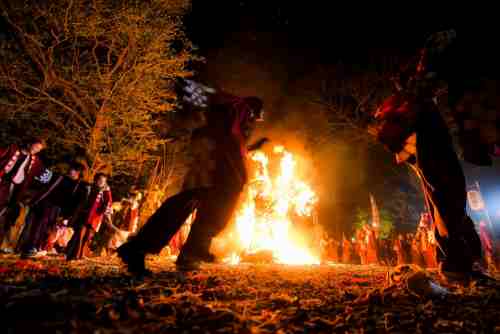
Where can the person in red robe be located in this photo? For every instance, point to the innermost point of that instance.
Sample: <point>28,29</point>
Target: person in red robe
<point>488,245</point>
<point>333,250</point>
<point>426,240</point>
<point>132,214</point>
<point>346,251</point>
<point>431,250</point>
<point>360,246</point>
<point>401,250</point>
<point>372,252</point>
<point>89,217</point>
<point>212,187</point>
<point>125,224</point>
<point>417,256</point>
<point>18,168</point>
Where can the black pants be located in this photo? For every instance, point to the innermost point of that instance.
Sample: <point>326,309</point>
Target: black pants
<point>214,209</point>
<point>214,212</point>
<point>41,219</point>
<point>459,249</point>
<point>164,223</point>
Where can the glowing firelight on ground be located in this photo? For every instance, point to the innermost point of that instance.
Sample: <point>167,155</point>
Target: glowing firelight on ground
<point>264,219</point>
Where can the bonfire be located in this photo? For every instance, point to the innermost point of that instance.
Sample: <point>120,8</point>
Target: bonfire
<point>276,214</point>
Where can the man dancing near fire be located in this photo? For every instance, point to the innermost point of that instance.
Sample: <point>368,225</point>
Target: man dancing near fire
<point>412,127</point>
<point>213,184</point>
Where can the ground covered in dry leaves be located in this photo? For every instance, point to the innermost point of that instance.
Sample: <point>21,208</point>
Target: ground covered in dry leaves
<point>96,295</point>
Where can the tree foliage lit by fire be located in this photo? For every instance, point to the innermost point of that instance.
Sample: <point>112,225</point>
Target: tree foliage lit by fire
<point>95,77</point>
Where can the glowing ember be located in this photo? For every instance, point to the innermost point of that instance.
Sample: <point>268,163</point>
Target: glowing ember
<point>264,219</point>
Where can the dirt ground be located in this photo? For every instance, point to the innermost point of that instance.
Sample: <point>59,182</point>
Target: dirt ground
<point>96,295</point>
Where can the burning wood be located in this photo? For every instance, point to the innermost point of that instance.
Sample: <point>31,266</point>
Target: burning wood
<point>267,220</point>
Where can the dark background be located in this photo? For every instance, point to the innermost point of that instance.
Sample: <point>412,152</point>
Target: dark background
<point>350,31</point>
<point>264,47</point>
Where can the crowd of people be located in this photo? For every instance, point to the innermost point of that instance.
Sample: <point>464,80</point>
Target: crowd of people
<point>419,248</point>
<point>47,213</point>
<point>44,213</point>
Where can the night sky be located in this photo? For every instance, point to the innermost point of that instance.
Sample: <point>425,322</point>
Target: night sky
<point>328,31</point>
<point>306,33</point>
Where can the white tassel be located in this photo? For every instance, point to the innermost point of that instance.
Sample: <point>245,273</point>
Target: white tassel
<point>45,177</point>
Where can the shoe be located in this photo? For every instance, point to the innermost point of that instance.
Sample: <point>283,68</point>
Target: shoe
<point>187,263</point>
<point>29,254</point>
<point>52,252</point>
<point>135,261</point>
<point>143,274</point>
<point>41,253</point>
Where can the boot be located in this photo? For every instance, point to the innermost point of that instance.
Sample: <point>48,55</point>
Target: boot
<point>135,261</point>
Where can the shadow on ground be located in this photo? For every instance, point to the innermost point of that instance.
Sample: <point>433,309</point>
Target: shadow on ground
<point>50,295</point>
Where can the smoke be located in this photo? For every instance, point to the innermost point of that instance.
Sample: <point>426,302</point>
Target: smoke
<point>341,171</point>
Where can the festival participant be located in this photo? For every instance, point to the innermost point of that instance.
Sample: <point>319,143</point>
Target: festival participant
<point>18,168</point>
<point>401,251</point>
<point>59,238</point>
<point>389,254</point>
<point>361,244</point>
<point>132,212</point>
<point>425,236</point>
<point>346,251</point>
<point>59,199</point>
<point>89,217</point>
<point>372,251</point>
<point>416,252</point>
<point>212,187</point>
<point>488,245</point>
<point>323,248</point>
<point>412,127</point>
<point>125,223</point>
<point>333,250</point>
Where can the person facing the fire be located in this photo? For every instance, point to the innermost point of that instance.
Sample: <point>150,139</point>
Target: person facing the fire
<point>58,200</point>
<point>89,217</point>
<point>488,245</point>
<point>412,127</point>
<point>18,168</point>
<point>212,186</point>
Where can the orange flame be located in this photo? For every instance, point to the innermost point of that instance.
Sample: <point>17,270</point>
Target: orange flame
<point>263,220</point>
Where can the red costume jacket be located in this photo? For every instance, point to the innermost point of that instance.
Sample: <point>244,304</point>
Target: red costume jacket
<point>8,159</point>
<point>97,205</point>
